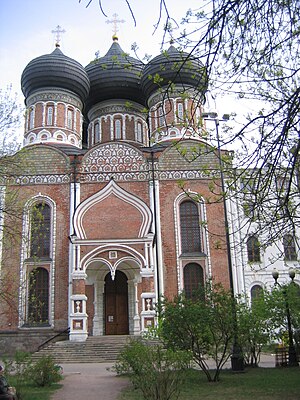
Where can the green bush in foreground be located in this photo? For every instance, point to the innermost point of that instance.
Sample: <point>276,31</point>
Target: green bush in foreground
<point>44,372</point>
<point>156,372</point>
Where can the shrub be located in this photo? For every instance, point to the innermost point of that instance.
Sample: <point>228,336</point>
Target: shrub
<point>45,372</point>
<point>157,372</point>
<point>18,368</point>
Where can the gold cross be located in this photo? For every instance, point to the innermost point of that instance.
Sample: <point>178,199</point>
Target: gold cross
<point>115,21</point>
<point>58,31</point>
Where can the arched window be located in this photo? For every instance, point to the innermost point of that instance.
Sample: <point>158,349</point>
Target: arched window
<point>289,248</point>
<point>50,115</point>
<point>189,227</point>
<point>253,249</point>
<point>139,137</point>
<point>40,231</point>
<point>161,116</point>
<point>70,118</point>
<point>118,129</point>
<point>97,132</point>
<point>256,292</point>
<point>31,118</point>
<point>180,111</point>
<point>38,297</point>
<point>193,279</point>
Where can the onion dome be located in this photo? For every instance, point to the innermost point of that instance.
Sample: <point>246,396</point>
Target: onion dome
<point>115,76</point>
<point>173,66</point>
<point>55,70</point>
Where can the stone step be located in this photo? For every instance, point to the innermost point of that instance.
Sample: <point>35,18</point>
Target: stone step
<point>94,349</point>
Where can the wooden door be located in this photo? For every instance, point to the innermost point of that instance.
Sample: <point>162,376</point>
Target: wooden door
<point>116,304</point>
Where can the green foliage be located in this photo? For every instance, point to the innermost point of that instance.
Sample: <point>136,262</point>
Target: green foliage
<point>203,325</point>
<point>45,372</point>
<point>157,372</point>
<point>18,368</point>
<point>255,328</point>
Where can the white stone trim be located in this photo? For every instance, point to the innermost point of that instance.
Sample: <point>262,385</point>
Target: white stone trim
<point>112,188</point>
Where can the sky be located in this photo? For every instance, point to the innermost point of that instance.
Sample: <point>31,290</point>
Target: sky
<point>26,32</point>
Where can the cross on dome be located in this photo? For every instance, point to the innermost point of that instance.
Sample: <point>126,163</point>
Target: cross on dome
<point>58,30</point>
<point>115,21</point>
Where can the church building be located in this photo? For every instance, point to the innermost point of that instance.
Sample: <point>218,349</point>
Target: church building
<point>119,191</point>
<point>115,192</point>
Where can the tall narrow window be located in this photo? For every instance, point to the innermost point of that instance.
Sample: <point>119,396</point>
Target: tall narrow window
<point>180,111</point>
<point>50,115</point>
<point>189,227</point>
<point>40,231</point>
<point>256,293</point>
<point>193,279</point>
<point>118,130</point>
<point>70,118</point>
<point>97,132</point>
<point>38,297</point>
<point>139,132</point>
<point>289,247</point>
<point>161,117</point>
<point>31,118</point>
<point>253,249</point>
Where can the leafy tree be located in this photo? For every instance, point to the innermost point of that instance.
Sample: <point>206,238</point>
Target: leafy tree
<point>157,372</point>
<point>250,50</point>
<point>10,121</point>
<point>203,325</point>
<point>11,164</point>
<point>281,297</point>
<point>256,327</point>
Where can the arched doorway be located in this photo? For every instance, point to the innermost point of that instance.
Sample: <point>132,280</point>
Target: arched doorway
<point>116,304</point>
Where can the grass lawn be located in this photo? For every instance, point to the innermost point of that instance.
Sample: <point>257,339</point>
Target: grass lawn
<point>254,384</point>
<point>30,392</point>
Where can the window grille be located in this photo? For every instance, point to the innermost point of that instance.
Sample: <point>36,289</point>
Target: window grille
<point>193,279</point>
<point>40,231</point>
<point>253,249</point>
<point>289,247</point>
<point>38,299</point>
<point>189,227</point>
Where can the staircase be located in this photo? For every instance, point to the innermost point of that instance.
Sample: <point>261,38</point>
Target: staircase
<point>95,349</point>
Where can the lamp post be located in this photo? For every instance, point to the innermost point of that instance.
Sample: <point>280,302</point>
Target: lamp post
<point>292,351</point>
<point>237,360</point>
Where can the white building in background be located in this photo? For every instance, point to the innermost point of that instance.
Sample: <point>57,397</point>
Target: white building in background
<point>261,239</point>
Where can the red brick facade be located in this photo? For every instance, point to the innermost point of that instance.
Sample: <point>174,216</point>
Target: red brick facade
<point>117,227</point>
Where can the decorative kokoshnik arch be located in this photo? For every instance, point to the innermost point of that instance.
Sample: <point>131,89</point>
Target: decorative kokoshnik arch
<point>112,188</point>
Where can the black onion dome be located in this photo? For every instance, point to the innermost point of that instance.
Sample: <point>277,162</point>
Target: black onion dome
<point>115,76</point>
<point>173,66</point>
<point>57,71</point>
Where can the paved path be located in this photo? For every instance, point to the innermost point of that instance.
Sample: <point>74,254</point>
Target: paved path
<point>98,382</point>
<point>89,382</point>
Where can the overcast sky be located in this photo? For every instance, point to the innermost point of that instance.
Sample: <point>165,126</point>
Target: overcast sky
<point>26,25</point>
<point>26,32</point>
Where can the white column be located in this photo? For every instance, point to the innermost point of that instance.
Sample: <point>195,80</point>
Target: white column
<point>158,269</point>
<point>98,309</point>
<point>136,318</point>
<point>74,201</point>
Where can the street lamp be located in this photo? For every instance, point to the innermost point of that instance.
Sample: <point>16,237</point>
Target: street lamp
<point>237,361</point>
<point>292,351</point>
